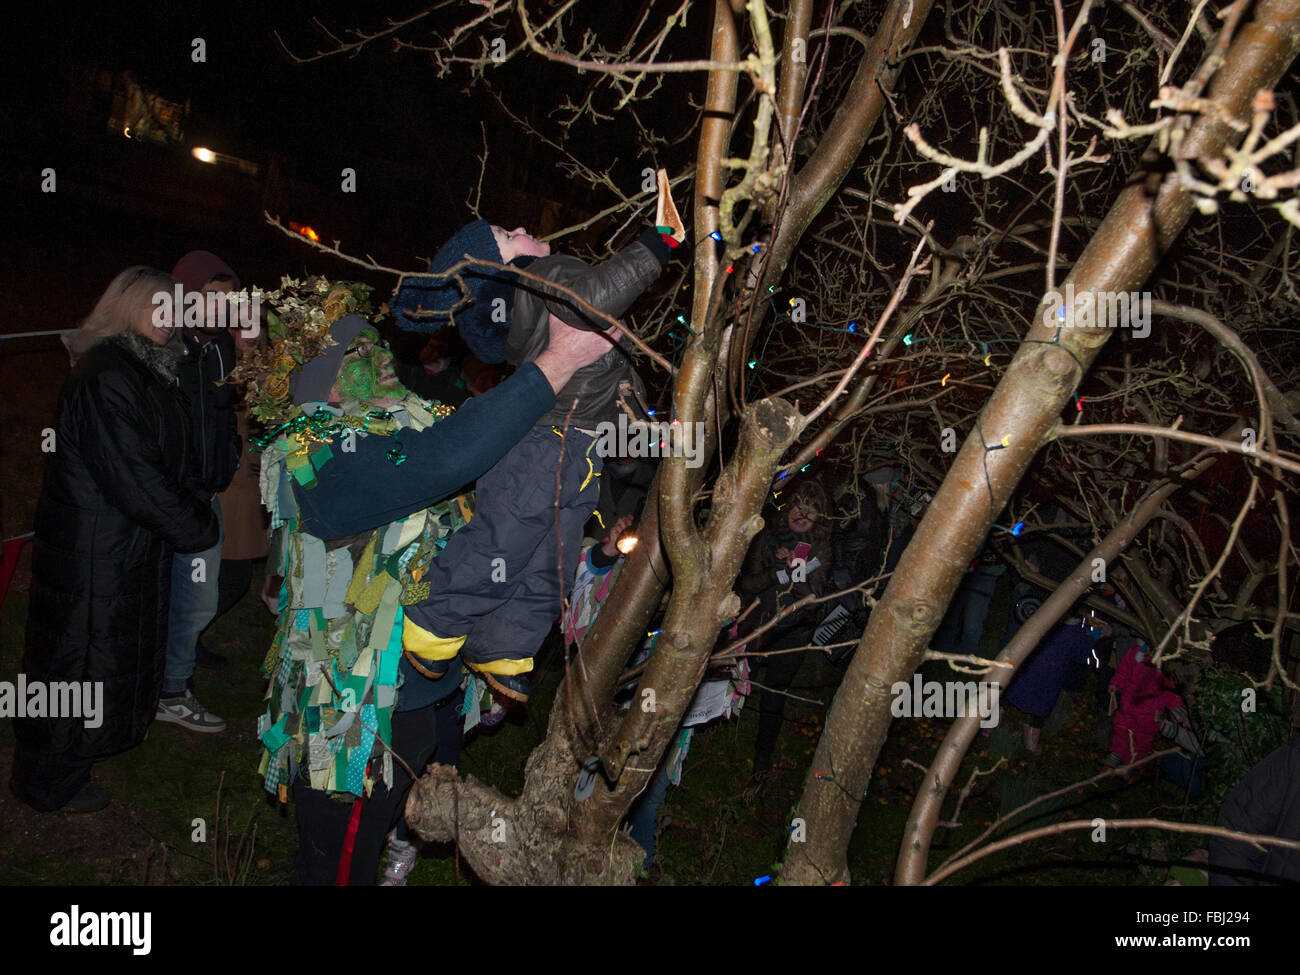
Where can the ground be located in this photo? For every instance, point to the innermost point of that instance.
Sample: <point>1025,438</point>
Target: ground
<point>709,832</point>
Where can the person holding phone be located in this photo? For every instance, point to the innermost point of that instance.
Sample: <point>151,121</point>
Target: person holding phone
<point>788,561</point>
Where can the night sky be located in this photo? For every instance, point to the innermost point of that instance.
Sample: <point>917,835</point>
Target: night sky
<point>412,138</point>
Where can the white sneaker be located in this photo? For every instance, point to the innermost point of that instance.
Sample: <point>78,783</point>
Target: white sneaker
<point>401,859</point>
<point>186,711</point>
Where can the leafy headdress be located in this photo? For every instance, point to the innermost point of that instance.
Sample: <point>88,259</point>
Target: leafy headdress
<point>282,380</point>
<point>299,322</point>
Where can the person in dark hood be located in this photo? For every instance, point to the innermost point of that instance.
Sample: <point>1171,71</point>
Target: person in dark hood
<point>209,356</point>
<point>120,496</point>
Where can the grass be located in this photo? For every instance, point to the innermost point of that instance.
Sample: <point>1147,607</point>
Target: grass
<point>708,833</point>
<point>161,787</point>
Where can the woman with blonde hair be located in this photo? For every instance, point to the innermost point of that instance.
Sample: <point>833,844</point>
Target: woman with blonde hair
<point>119,496</point>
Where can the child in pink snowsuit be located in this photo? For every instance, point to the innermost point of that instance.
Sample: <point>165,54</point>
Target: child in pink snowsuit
<point>1143,692</point>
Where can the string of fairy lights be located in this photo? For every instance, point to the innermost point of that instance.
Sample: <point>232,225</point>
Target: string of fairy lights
<point>910,339</point>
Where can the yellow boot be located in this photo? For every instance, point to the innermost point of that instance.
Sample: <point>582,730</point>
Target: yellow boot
<point>429,653</point>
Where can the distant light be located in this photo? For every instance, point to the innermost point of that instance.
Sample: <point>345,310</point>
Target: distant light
<point>212,157</point>
<point>627,543</point>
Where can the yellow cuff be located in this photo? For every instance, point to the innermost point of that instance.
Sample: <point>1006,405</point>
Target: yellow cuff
<point>426,645</point>
<point>504,666</point>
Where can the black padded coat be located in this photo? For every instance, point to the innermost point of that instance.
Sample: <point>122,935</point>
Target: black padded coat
<point>1265,802</point>
<point>121,493</point>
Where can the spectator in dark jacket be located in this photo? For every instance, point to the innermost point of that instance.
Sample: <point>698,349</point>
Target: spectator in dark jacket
<point>1265,802</point>
<point>858,547</point>
<point>209,357</point>
<point>119,498</point>
<point>791,559</point>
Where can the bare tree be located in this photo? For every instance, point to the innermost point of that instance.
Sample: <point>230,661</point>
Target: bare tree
<point>878,264</point>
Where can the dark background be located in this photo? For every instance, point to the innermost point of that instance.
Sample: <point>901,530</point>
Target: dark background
<point>412,137</point>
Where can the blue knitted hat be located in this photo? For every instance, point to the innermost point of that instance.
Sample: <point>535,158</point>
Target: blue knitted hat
<point>434,298</point>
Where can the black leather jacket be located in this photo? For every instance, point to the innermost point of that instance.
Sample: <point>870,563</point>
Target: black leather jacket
<point>611,287</point>
<point>212,408</point>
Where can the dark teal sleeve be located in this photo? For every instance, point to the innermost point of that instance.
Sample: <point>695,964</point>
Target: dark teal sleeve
<point>362,490</point>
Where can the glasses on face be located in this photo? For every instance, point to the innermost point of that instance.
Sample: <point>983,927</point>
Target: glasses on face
<point>365,342</point>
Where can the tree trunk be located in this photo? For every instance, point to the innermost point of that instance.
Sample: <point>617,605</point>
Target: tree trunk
<point>546,838</point>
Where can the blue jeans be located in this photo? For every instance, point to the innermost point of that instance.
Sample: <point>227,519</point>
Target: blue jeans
<point>193,606</point>
<point>644,812</point>
<point>962,627</point>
